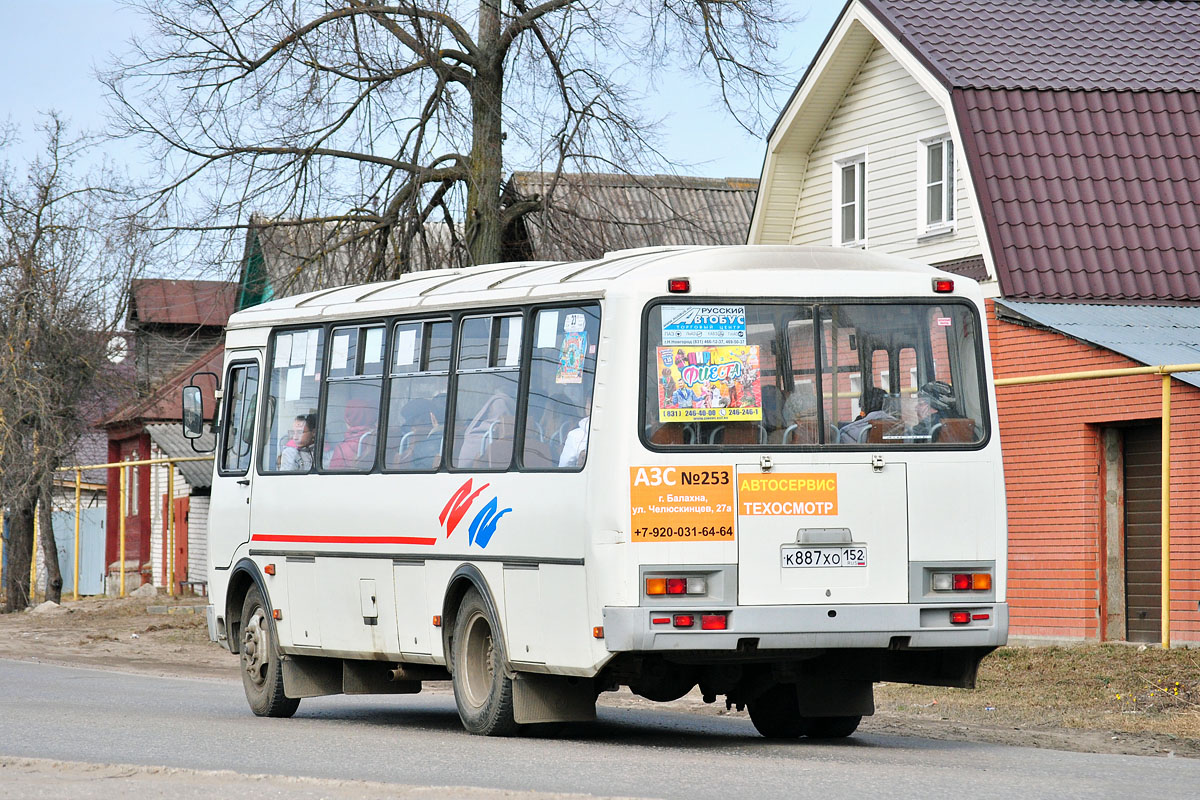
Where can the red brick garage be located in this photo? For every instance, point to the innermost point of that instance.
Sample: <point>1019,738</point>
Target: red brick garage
<point>1082,464</point>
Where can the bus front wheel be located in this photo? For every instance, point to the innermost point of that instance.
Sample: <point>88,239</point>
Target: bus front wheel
<point>482,689</point>
<point>262,670</point>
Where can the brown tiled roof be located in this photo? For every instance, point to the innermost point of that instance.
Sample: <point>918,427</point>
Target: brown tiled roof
<point>972,268</point>
<point>1052,44</point>
<point>1079,122</point>
<point>166,302</point>
<point>591,214</point>
<point>1091,195</point>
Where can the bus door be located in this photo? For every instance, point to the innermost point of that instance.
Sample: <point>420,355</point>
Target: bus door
<point>229,509</point>
<point>816,533</point>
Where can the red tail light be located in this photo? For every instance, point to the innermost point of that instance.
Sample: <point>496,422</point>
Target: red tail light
<point>684,620</point>
<point>712,622</point>
<point>960,617</point>
<point>676,585</point>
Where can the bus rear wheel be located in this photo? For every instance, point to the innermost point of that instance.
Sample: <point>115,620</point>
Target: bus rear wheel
<point>262,669</point>
<point>776,713</point>
<point>483,690</point>
<point>832,727</point>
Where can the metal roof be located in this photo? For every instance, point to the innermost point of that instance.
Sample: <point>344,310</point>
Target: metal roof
<point>162,301</point>
<point>169,438</point>
<point>1091,195</point>
<point>1132,45</point>
<point>1152,335</point>
<point>587,215</point>
<point>1080,121</point>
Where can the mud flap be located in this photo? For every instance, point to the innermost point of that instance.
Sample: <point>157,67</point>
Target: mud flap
<point>310,676</point>
<point>835,698</point>
<point>552,698</point>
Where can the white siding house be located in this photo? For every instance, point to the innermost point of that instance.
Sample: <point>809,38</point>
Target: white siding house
<point>868,111</point>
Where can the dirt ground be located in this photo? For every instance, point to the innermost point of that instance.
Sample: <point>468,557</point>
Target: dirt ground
<point>1090,698</point>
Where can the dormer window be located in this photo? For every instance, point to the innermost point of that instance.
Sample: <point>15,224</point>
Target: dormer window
<point>936,189</point>
<point>850,200</point>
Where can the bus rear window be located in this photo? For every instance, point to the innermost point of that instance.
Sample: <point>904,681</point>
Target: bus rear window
<point>779,375</point>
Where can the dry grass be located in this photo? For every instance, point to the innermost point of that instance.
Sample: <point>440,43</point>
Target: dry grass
<point>1118,688</point>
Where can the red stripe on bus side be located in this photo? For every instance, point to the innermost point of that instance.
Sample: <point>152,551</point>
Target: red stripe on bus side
<point>285,537</point>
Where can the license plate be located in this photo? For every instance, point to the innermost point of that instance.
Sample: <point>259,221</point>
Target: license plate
<point>824,556</point>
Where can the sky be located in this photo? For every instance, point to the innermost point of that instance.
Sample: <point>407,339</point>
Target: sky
<point>49,53</point>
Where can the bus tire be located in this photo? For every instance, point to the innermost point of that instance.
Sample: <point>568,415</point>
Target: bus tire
<point>262,669</point>
<point>776,713</point>
<point>831,727</point>
<point>483,690</point>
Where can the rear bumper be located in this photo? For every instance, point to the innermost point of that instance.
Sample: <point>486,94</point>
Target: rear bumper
<point>912,625</point>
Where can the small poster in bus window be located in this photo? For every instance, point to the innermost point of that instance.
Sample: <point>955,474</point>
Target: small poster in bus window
<point>708,384</point>
<point>570,358</point>
<point>704,325</point>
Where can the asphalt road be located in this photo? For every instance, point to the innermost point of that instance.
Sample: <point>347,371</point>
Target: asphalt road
<point>107,717</point>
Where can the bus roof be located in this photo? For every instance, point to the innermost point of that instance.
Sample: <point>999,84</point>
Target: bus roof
<point>539,281</point>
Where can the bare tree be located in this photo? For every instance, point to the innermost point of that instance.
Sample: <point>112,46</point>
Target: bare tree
<point>67,251</point>
<point>383,117</point>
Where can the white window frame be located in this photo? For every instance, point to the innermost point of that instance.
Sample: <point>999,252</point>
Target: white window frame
<point>859,162</point>
<point>949,188</point>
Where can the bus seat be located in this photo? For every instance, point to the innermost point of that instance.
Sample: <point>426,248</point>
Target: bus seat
<point>797,433</point>
<point>875,432</point>
<point>675,433</point>
<point>955,431</point>
<point>737,433</point>
<point>488,436</point>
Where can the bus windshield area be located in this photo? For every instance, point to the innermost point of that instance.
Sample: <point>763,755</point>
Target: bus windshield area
<point>811,375</point>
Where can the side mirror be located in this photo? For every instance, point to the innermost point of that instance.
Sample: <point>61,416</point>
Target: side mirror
<point>193,412</point>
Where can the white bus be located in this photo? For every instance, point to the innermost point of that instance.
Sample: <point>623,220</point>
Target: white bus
<point>772,473</point>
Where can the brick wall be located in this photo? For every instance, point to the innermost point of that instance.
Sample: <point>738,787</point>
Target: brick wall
<point>1054,474</point>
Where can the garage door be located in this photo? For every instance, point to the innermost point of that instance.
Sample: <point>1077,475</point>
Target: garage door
<point>1143,516</point>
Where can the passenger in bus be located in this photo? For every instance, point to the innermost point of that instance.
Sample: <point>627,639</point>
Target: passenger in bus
<point>871,408</point>
<point>421,446</point>
<point>357,448</point>
<point>488,438</point>
<point>297,455</point>
<point>935,404</point>
<point>800,413</point>
<point>575,448</point>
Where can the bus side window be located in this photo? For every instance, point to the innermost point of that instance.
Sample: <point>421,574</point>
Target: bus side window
<point>352,392</point>
<point>488,371</point>
<point>292,397</point>
<point>562,374</point>
<point>417,395</point>
<point>239,419</point>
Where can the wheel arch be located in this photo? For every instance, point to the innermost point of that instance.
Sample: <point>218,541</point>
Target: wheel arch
<point>244,575</point>
<point>465,578</point>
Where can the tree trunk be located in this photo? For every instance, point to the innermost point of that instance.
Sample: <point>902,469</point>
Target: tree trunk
<point>20,553</point>
<point>54,581</point>
<point>487,162</point>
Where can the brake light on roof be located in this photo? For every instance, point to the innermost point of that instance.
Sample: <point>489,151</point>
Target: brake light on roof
<point>679,285</point>
<point>943,285</point>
